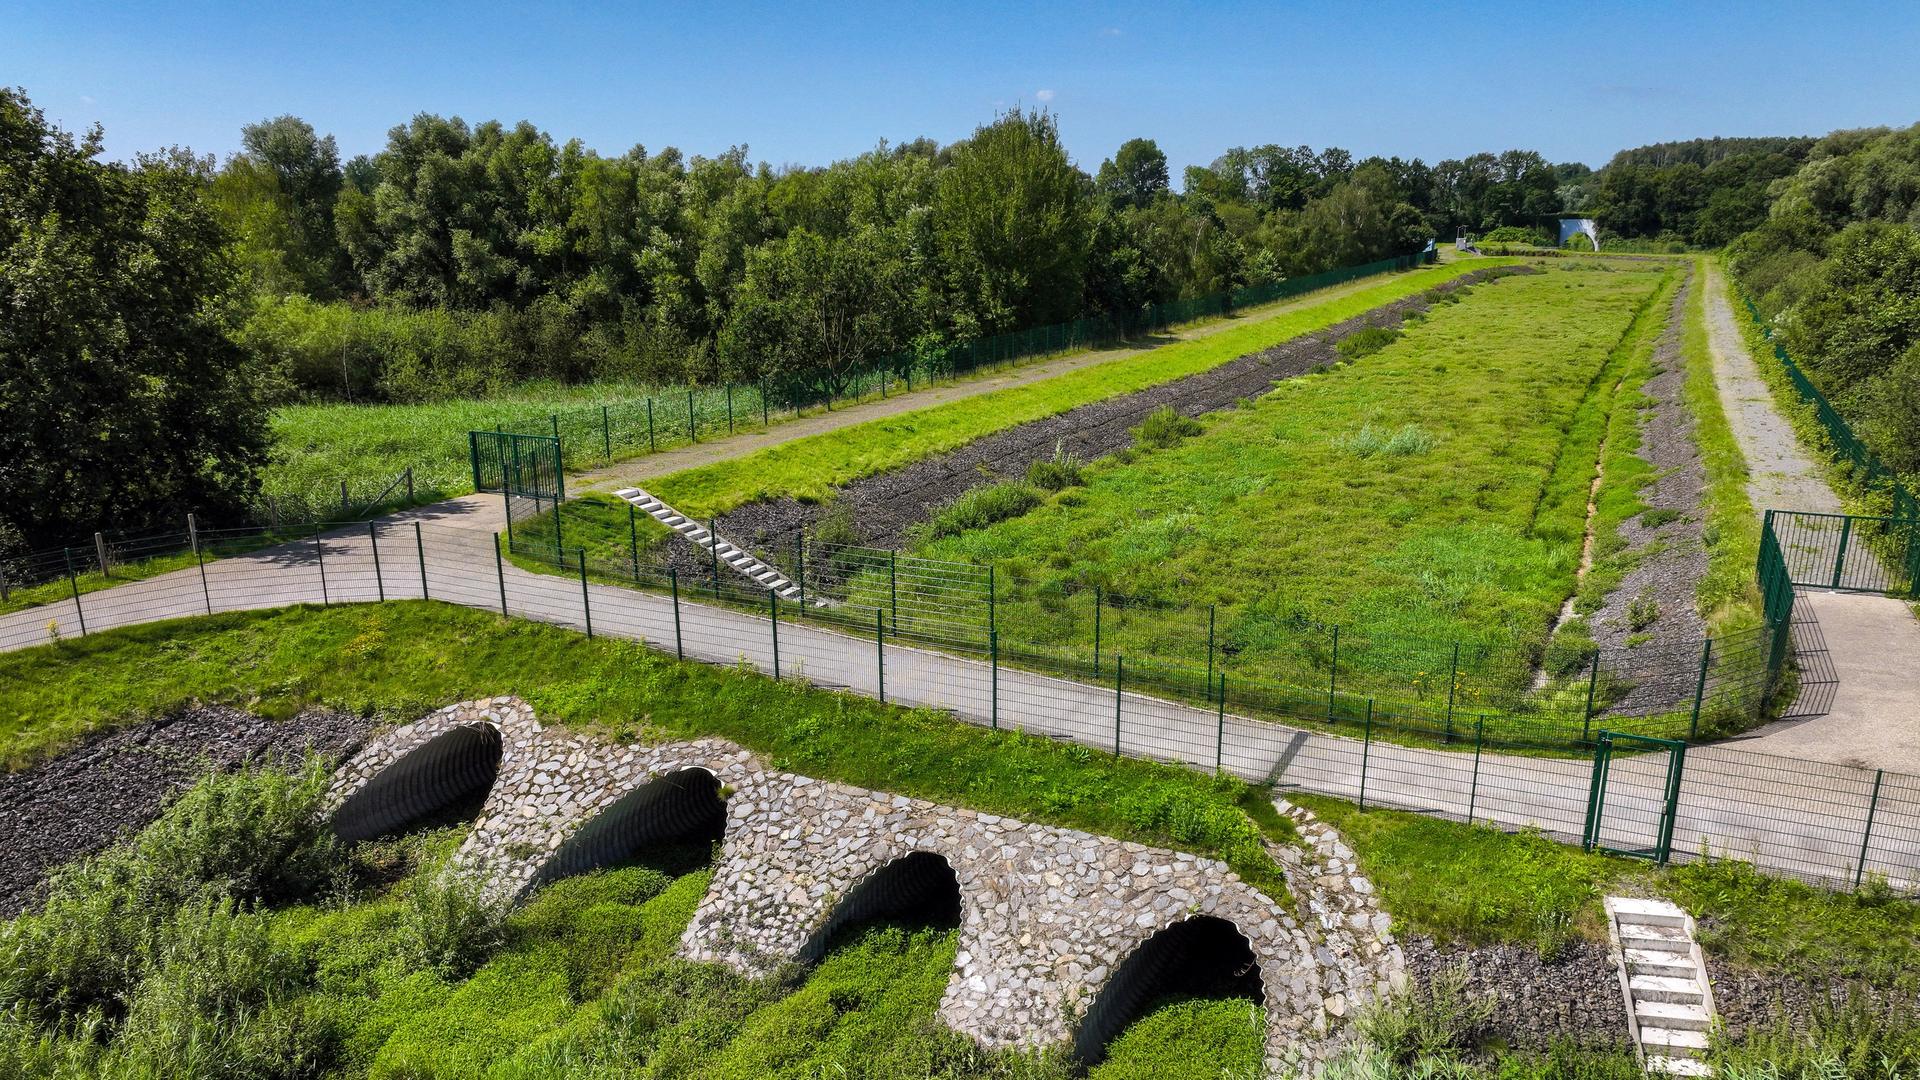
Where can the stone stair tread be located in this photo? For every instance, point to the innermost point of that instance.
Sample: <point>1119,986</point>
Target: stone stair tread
<point>1660,938</point>
<point>1634,905</point>
<point>1672,1015</point>
<point>1657,958</point>
<point>1662,984</point>
<point>1673,1039</point>
<point>1677,1066</point>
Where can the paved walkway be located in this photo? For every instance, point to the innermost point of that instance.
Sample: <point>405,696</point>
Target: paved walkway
<point>1858,654</point>
<point>1788,816</point>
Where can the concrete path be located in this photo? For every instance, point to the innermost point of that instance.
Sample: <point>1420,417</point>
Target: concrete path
<point>1788,816</point>
<point>1859,655</point>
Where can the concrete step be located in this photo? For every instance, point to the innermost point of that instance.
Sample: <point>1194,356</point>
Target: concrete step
<point>1655,939</point>
<point>1677,1066</point>
<point>1658,962</point>
<point>1630,911</point>
<point>1669,989</point>
<point>1671,1043</point>
<point>1671,1016</point>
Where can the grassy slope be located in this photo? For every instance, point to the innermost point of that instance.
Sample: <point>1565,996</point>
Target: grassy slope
<point>1727,596</point>
<point>1268,515</point>
<point>810,468</point>
<point>403,659</point>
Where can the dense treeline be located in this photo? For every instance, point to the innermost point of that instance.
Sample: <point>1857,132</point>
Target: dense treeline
<point>1700,193</point>
<point>1836,266</point>
<point>461,258</point>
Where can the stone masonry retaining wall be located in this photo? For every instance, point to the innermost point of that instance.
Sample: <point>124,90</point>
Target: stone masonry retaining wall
<point>1048,915</point>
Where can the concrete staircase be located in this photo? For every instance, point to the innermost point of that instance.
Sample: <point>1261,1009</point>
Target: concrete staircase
<point>731,555</point>
<point>1663,976</point>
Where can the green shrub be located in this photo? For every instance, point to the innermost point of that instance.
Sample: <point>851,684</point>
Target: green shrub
<point>980,508</point>
<point>1189,1039</point>
<point>84,949</point>
<point>1643,612</point>
<point>1436,1020</point>
<point>1852,1035</point>
<point>1164,428</point>
<point>1366,341</point>
<point>1516,234</point>
<point>1057,473</point>
<point>256,833</point>
<point>1403,441</point>
<point>449,923</point>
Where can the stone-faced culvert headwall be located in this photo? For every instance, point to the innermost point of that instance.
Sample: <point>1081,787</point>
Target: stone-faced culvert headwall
<point>1062,934</point>
<point>437,772</point>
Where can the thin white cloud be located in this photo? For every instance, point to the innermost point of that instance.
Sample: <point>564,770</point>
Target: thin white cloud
<point>1111,31</point>
<point>1043,96</point>
<point>86,99</point>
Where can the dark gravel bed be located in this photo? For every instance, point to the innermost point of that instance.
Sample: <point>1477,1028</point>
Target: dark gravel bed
<point>1671,555</point>
<point>884,506</point>
<point>1575,998</point>
<point>81,801</point>
<point>1751,1001</point>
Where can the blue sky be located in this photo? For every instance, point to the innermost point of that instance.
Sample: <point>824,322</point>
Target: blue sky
<point>801,83</point>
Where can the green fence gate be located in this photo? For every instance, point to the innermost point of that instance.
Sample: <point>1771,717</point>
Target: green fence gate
<point>527,470</point>
<point>1635,795</point>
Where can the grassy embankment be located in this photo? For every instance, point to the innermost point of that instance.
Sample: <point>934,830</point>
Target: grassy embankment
<point>1728,596</point>
<point>1432,492</point>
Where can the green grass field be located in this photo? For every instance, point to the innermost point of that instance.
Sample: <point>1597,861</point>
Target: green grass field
<point>811,468</point>
<point>1433,492</point>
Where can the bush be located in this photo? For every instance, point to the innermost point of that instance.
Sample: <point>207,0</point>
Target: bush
<point>1057,473</point>
<point>1164,428</point>
<point>1571,649</point>
<point>1371,441</point>
<point>256,833</point>
<point>1643,612</point>
<point>1517,234</point>
<point>979,508</point>
<point>448,923</point>
<point>1367,341</point>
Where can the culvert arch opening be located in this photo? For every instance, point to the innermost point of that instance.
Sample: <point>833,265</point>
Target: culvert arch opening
<point>919,888</point>
<point>1203,956</point>
<point>445,779</point>
<point>669,815</point>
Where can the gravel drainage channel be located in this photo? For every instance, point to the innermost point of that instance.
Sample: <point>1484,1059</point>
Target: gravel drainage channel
<point>75,804</point>
<point>883,507</point>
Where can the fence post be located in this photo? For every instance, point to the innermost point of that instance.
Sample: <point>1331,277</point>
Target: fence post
<point>679,646</point>
<point>1220,726</point>
<point>993,613</point>
<point>193,530</point>
<point>606,434</point>
<point>652,445</point>
<point>100,552</point>
<point>586,607</point>
<point>1453,682</point>
<point>713,550</point>
<point>1119,677</point>
<point>205,593</point>
<point>993,655</point>
<point>1840,560</point>
<point>1096,629</point>
<point>409,485</point>
<point>1333,674</point>
<point>1473,789</point>
<point>893,586</point>
<point>633,541</point>
<point>880,650</point>
<point>773,610</point>
<point>379,583</point>
<point>420,549</point>
<point>343,501</point>
<point>800,563</point>
<point>1210,608</point>
<point>1700,690</point>
<point>320,556</point>
<point>1593,683</point>
<point>766,419</point>
<point>74,584</point>
<point>500,571</point>
<point>729,408</point>
<point>1866,835</point>
<point>1366,750</point>
<point>691,435</point>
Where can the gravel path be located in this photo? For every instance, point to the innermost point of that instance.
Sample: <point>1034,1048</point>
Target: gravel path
<point>883,507</point>
<point>74,805</point>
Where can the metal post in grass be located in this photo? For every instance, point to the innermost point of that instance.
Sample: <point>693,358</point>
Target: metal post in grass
<point>205,593</point>
<point>679,646</point>
<point>193,529</point>
<point>880,650</point>
<point>1366,751</point>
<point>652,445</point>
<point>78,611</point>
<point>893,586</point>
<point>420,549</point>
<point>800,566</point>
<point>766,417</point>
<point>633,541</point>
<point>100,553</point>
<point>1700,689</point>
<point>586,607</point>
<point>993,658</point>
<point>606,434</point>
<point>409,485</point>
<point>993,614</point>
<point>691,436</point>
<point>320,556</point>
<point>6,591</point>
<point>1220,726</point>
<point>1593,683</point>
<point>1453,683</point>
<point>1866,835</point>
<point>1333,673</point>
<point>555,417</point>
<point>1840,560</point>
<point>1210,648</point>
<point>500,571</point>
<point>729,408</point>
<point>344,514</point>
<point>1119,677</point>
<point>1473,789</point>
<point>1096,629</point>
<point>773,612</point>
<point>373,541</point>
<point>713,551</point>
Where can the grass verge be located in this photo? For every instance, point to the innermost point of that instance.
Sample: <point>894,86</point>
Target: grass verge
<point>1728,597</point>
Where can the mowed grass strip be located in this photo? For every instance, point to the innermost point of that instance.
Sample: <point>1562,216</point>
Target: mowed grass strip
<point>1425,493</point>
<point>811,468</point>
